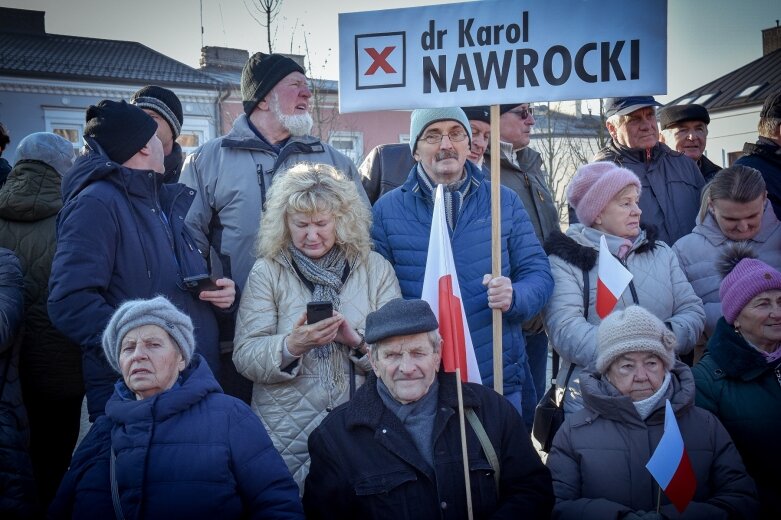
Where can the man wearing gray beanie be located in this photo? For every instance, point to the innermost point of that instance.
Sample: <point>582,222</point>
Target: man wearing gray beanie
<point>233,173</point>
<point>440,141</point>
<point>405,421</point>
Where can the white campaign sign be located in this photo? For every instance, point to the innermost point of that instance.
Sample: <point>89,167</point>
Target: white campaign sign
<point>501,51</point>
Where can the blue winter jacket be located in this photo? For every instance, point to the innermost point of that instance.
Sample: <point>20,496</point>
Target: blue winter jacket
<point>189,452</point>
<point>401,229</point>
<point>113,245</point>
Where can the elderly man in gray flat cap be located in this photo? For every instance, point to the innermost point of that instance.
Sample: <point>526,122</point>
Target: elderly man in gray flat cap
<point>394,450</point>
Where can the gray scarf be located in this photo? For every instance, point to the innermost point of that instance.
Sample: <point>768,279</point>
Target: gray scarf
<point>325,273</point>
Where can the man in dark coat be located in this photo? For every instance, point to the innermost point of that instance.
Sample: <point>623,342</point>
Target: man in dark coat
<point>765,154</point>
<point>121,235</point>
<point>394,450</point>
<point>671,182</point>
<point>685,128</point>
<point>164,107</point>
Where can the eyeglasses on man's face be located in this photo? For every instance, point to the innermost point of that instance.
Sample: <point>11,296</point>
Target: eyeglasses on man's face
<point>455,136</point>
<point>523,113</point>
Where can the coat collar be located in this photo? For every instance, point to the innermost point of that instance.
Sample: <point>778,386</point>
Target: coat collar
<point>734,357</point>
<point>583,254</point>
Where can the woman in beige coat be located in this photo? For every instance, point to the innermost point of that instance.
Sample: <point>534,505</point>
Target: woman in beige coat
<point>313,245</point>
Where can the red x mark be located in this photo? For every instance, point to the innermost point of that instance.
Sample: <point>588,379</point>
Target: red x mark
<point>380,60</point>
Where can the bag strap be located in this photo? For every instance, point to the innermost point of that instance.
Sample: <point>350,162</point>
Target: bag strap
<point>114,490</point>
<point>485,442</point>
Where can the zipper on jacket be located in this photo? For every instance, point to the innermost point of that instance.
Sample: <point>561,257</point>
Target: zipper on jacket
<point>778,375</point>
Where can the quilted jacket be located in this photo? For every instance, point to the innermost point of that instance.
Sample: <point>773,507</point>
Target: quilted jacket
<point>661,288</point>
<point>189,452</point>
<point>599,456</point>
<point>29,202</point>
<point>401,229</point>
<point>671,186</point>
<point>737,384</point>
<point>291,400</point>
<point>699,252</point>
<point>231,175</point>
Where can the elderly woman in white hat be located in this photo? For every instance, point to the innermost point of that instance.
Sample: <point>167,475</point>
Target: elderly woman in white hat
<point>599,455</point>
<point>171,443</point>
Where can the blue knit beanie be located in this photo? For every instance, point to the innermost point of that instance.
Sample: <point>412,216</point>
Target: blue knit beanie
<point>423,117</point>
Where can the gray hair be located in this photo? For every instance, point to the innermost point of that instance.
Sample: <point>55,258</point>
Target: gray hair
<point>433,337</point>
<point>768,127</point>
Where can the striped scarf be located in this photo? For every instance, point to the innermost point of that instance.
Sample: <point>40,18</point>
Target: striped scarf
<point>455,194</point>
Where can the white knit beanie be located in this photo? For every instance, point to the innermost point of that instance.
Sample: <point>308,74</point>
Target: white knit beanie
<point>633,329</point>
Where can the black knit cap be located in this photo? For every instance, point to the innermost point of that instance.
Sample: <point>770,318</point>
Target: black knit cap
<point>772,106</point>
<point>680,113</point>
<point>482,113</point>
<point>503,109</point>
<point>119,128</point>
<point>260,74</point>
<point>400,317</point>
<point>162,101</point>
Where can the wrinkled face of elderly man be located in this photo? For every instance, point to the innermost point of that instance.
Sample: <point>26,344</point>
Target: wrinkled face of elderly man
<point>687,137</point>
<point>637,130</point>
<point>407,364</point>
<point>442,151</point>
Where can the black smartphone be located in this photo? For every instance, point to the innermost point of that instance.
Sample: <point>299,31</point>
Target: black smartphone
<point>318,311</point>
<point>201,282</point>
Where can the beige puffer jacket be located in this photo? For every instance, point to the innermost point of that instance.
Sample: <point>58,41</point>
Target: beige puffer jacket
<point>292,402</point>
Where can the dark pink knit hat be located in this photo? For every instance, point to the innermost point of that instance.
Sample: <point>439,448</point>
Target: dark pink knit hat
<point>746,280</point>
<point>594,185</point>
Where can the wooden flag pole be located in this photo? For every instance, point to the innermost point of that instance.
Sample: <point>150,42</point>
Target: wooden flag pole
<point>496,241</point>
<point>464,451</point>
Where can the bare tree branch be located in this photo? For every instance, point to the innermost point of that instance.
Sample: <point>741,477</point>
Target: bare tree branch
<point>267,11</point>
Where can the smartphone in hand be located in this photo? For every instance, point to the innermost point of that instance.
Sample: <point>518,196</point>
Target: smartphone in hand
<point>318,311</point>
<point>201,282</point>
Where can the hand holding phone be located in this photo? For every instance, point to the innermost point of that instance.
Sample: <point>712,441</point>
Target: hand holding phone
<point>318,311</point>
<point>201,282</point>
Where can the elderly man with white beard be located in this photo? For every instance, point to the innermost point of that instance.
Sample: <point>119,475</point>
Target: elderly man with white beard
<point>231,174</point>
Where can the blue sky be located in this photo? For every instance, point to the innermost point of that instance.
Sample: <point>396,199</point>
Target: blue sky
<point>706,38</point>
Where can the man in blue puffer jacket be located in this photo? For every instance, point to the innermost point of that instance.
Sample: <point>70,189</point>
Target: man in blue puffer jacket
<point>121,236</point>
<point>440,141</point>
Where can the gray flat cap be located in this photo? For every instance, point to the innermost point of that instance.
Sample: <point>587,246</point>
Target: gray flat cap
<point>400,317</point>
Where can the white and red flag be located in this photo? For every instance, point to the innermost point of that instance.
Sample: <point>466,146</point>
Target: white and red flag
<point>670,464</point>
<point>441,291</point>
<point>612,279</point>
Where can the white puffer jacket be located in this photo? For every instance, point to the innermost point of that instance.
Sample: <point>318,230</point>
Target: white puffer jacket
<point>292,402</point>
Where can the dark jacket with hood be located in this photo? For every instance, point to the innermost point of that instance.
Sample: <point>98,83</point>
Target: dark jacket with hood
<point>671,186</point>
<point>599,456</point>
<point>365,463</point>
<point>29,203</point>
<point>121,236</point>
<point>735,382</point>
<point>765,156</point>
<point>188,452</point>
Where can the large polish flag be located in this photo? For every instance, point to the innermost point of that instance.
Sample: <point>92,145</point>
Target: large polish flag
<point>441,291</point>
<point>670,464</point>
<point>612,279</point>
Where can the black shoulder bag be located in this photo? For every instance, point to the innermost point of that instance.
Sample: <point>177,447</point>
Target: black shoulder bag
<point>549,413</point>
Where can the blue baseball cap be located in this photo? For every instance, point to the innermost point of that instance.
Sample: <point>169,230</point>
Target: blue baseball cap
<point>621,106</point>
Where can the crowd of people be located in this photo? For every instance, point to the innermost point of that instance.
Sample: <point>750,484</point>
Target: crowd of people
<point>247,327</point>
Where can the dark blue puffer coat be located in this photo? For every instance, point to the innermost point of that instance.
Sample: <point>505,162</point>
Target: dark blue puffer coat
<point>401,229</point>
<point>189,452</point>
<point>113,245</point>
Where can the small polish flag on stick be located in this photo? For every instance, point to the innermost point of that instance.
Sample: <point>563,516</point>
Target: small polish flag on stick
<point>443,294</point>
<point>670,465</point>
<point>612,279</point>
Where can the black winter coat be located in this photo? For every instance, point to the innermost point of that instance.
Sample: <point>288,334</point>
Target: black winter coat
<point>29,202</point>
<point>17,487</point>
<point>121,235</point>
<point>765,156</point>
<point>365,464</point>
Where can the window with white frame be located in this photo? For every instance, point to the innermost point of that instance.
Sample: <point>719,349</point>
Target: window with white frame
<point>349,143</point>
<point>195,132</point>
<point>67,123</point>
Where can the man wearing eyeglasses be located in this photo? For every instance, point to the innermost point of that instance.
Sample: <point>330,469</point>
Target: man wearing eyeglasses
<point>521,171</point>
<point>671,182</point>
<point>685,128</point>
<point>440,142</point>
